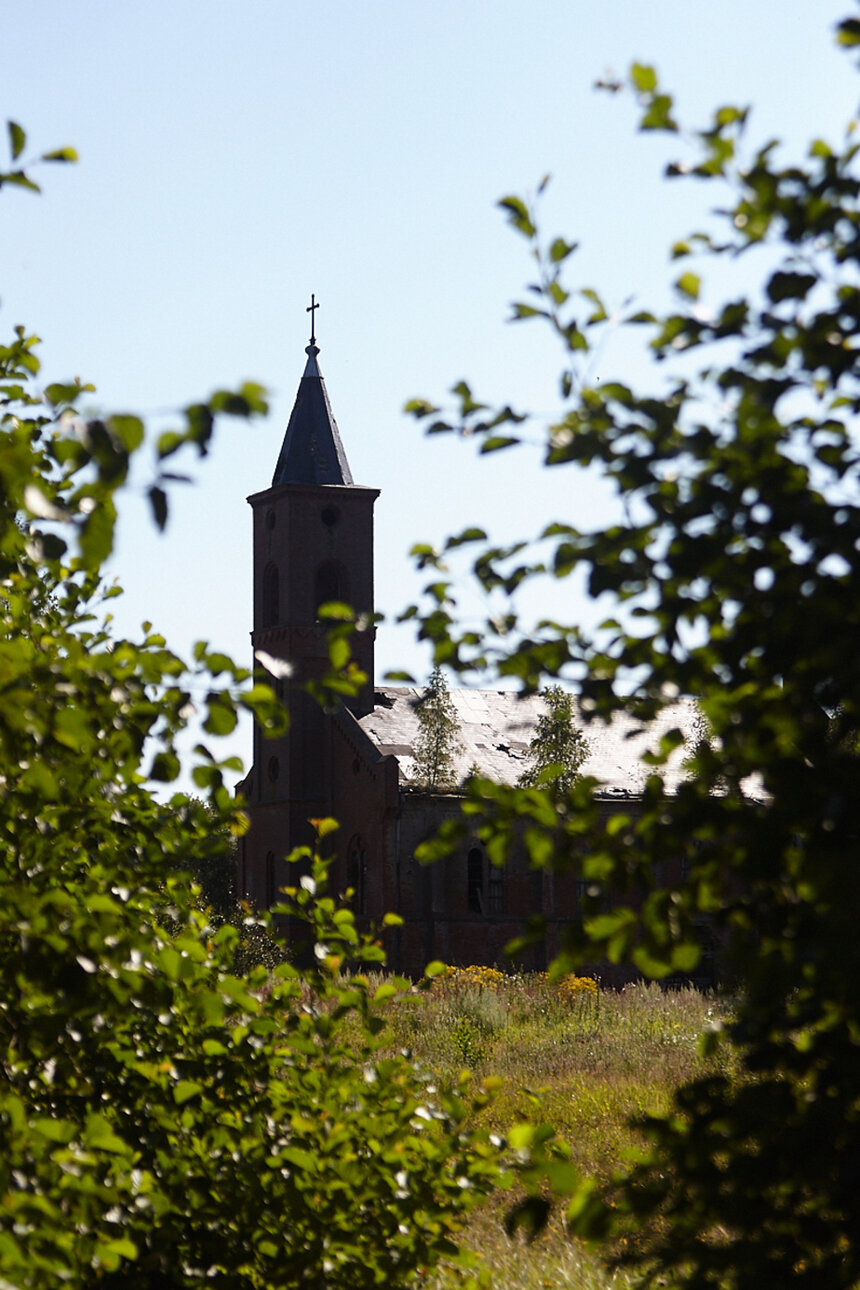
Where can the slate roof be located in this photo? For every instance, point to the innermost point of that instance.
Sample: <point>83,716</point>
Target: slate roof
<point>496,726</point>
<point>312,452</point>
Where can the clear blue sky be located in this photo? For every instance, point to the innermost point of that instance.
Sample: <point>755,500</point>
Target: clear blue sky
<point>236,157</point>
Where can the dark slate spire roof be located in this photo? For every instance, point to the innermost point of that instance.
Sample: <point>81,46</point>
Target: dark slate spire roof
<point>312,452</point>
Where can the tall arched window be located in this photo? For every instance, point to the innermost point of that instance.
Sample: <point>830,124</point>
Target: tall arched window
<point>497,890</point>
<point>330,583</point>
<point>271,596</point>
<point>357,874</point>
<point>475,880</point>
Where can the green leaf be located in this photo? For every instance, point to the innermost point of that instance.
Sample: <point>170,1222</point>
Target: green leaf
<point>688,285</point>
<point>305,1161</point>
<point>20,180</point>
<point>686,956</point>
<point>420,408</point>
<point>848,32</point>
<point>605,925</point>
<point>221,717</point>
<point>467,535</point>
<point>17,139</point>
<point>521,311</point>
<point>790,286</point>
<point>599,314</point>
<point>61,154</point>
<point>110,1253</point>
<point>561,249</point>
<point>158,502</point>
<point>518,215</point>
<point>652,963</point>
<point>54,1129</point>
<point>168,443</point>
<point>730,115</point>
<point>165,767</point>
<point>185,1089</point>
<point>659,115</point>
<point>72,729</point>
<point>493,443</point>
<point>99,1135</point>
<point>65,392</point>
<point>128,429</point>
<point>643,78</point>
<point>96,538</point>
<point>255,397</point>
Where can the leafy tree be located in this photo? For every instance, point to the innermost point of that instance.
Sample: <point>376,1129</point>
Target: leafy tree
<point>438,740</point>
<point>165,1119</point>
<point>212,865</point>
<point>558,746</point>
<point>736,569</point>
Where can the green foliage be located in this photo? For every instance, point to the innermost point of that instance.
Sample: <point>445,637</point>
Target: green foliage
<point>437,740</point>
<point>212,866</point>
<point>558,746</point>
<point>166,1119</point>
<point>469,1042</point>
<point>735,567</point>
<point>563,1053</point>
<point>19,176</point>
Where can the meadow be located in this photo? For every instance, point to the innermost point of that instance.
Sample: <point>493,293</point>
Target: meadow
<point>586,1060</point>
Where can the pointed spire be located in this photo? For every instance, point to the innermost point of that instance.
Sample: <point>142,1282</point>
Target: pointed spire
<point>312,452</point>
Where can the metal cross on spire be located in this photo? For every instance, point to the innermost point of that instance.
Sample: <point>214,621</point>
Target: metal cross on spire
<point>312,307</point>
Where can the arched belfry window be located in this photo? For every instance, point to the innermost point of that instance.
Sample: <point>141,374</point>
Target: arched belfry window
<point>475,880</point>
<point>357,874</point>
<point>330,584</point>
<point>271,596</point>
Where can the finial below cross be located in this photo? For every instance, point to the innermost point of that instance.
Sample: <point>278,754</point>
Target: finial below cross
<point>310,310</point>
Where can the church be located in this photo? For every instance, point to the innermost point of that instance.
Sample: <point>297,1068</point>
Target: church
<point>313,543</point>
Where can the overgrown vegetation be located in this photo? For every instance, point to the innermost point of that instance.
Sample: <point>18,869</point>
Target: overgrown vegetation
<point>735,571</point>
<point>438,738</point>
<point>558,746</point>
<point>168,1119</point>
<point>587,1062</point>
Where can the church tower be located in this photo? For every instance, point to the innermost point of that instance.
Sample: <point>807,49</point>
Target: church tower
<point>313,543</point>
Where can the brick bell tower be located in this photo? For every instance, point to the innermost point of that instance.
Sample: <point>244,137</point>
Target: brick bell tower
<point>313,543</point>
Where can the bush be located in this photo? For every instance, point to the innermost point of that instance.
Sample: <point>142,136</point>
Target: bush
<point>166,1118</point>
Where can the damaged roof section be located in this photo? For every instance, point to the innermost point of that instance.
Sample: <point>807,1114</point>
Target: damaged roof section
<point>496,727</point>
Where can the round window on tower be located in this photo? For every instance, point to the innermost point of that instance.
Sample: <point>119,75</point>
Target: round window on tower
<point>270,519</point>
<point>330,516</point>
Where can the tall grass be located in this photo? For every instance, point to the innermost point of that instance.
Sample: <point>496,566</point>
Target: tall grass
<point>587,1061</point>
